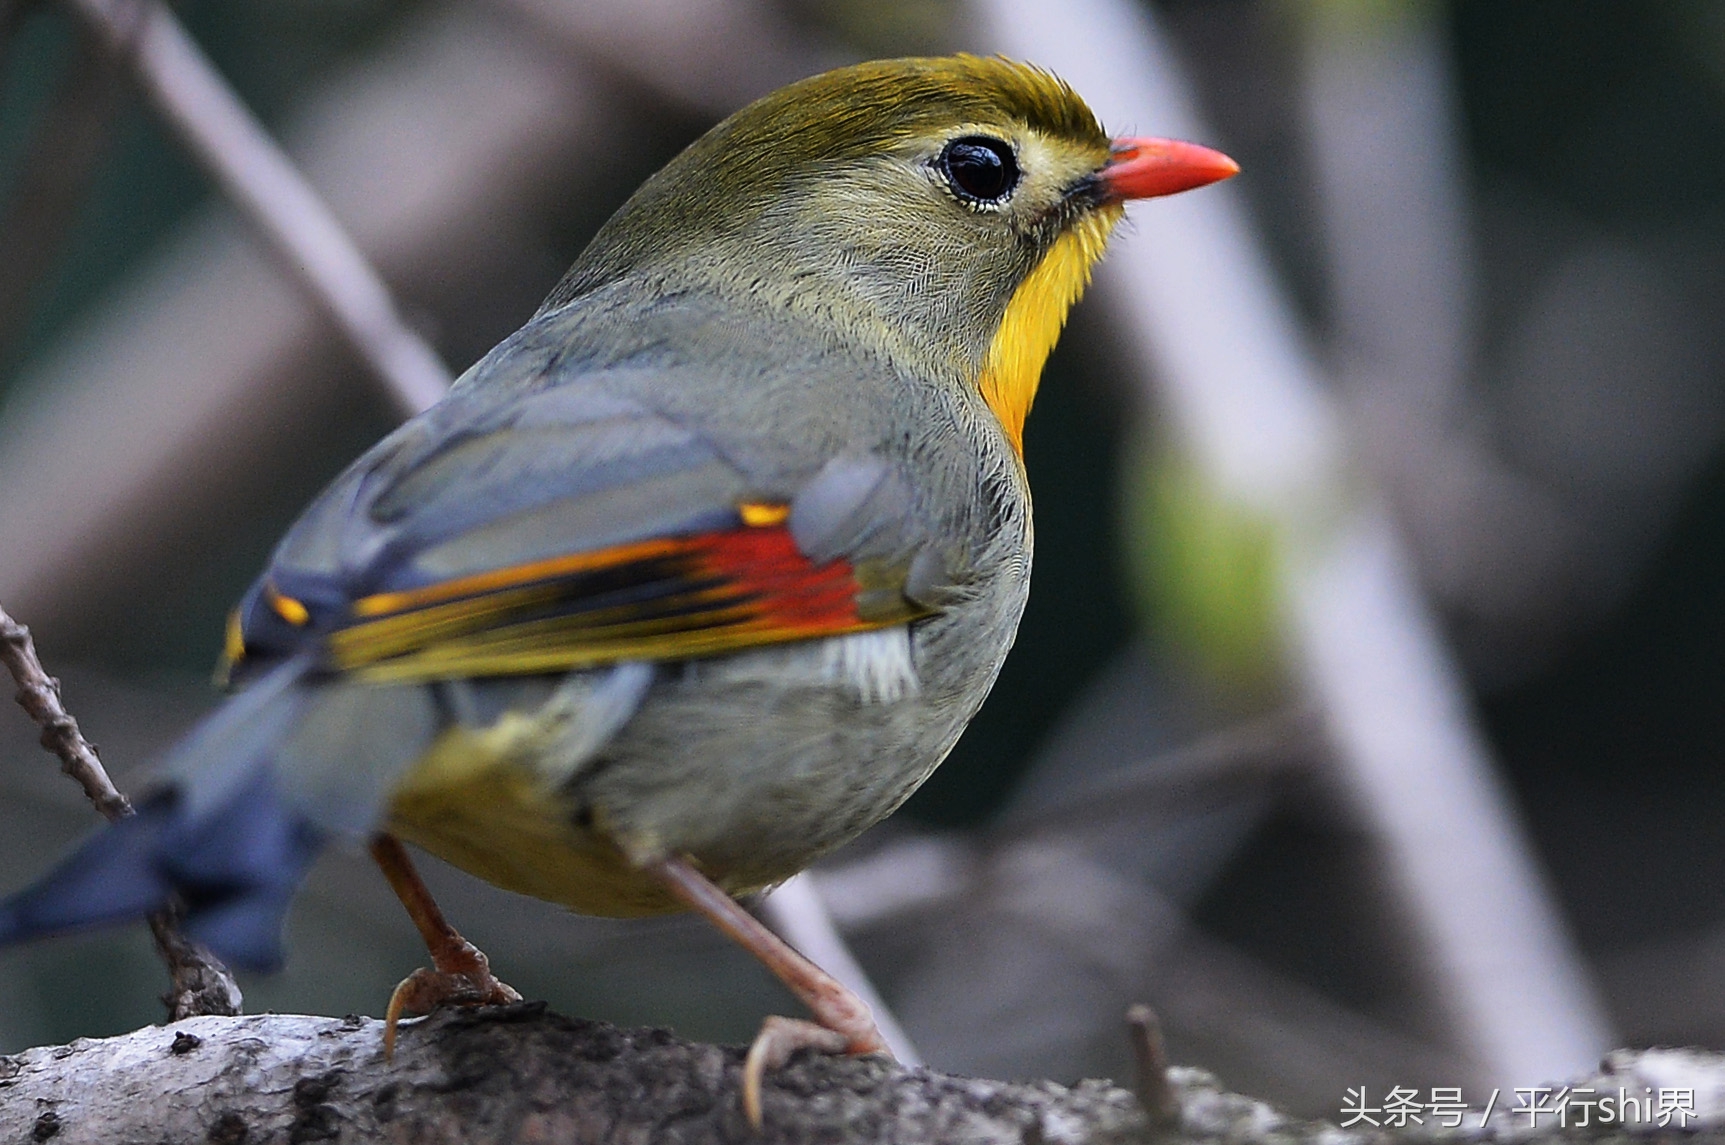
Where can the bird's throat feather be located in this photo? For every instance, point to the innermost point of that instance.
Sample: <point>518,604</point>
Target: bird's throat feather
<point>1034,317</point>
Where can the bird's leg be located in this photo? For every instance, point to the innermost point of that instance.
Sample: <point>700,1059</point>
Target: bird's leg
<point>845,1025</point>
<point>463,974</point>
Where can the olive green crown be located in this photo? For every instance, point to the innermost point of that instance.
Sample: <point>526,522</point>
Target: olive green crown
<point>800,132</point>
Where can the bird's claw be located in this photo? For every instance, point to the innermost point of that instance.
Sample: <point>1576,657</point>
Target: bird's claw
<point>780,1038</point>
<point>467,981</point>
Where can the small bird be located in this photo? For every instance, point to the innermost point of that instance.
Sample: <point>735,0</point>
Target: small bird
<point>692,578</point>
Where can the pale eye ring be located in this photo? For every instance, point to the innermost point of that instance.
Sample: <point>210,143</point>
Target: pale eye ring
<point>979,168</point>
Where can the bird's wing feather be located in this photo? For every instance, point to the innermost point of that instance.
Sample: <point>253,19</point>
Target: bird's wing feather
<point>570,528</point>
<point>669,597</point>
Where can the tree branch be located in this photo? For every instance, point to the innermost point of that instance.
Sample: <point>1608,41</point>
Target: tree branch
<point>39,695</point>
<point>522,1074</point>
<point>508,1074</point>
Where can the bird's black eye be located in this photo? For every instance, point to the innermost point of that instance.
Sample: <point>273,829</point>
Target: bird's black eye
<point>980,168</point>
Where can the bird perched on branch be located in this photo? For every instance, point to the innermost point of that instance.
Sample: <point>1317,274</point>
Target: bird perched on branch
<point>691,579</point>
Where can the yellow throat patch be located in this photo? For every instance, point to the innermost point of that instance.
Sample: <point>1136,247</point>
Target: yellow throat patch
<point>1034,317</point>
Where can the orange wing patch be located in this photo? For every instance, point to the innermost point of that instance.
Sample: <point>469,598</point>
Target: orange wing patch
<point>668,598</point>
<point>293,611</point>
<point>761,514</point>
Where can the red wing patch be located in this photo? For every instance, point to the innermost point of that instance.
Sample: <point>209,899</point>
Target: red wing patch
<point>667,598</point>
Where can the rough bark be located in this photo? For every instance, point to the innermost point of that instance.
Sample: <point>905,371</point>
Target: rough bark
<point>521,1074</point>
<point>505,1074</point>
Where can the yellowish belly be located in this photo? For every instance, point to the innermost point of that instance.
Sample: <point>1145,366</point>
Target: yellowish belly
<point>474,802</point>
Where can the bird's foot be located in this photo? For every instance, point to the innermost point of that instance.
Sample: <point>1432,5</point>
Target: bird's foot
<point>460,975</point>
<point>462,978</point>
<point>843,1024</point>
<point>781,1037</point>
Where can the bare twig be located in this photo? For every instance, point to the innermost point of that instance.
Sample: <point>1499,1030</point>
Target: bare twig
<point>39,695</point>
<point>200,983</point>
<point>230,143</point>
<point>1150,1056</point>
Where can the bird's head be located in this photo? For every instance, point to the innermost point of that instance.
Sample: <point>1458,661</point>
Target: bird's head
<point>943,211</point>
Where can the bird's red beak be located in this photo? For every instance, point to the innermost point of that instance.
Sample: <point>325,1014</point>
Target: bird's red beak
<point>1147,167</point>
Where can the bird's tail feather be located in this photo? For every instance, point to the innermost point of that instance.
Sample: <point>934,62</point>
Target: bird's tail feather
<point>219,835</point>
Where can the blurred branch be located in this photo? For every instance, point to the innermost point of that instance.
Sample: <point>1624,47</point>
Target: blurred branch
<point>1253,753</point>
<point>447,177</point>
<point>1382,128</point>
<point>201,984</point>
<point>1245,401</point>
<point>212,122</point>
<point>711,56</point>
<point>1028,950</point>
<point>54,177</point>
<point>796,910</point>
<point>206,358</point>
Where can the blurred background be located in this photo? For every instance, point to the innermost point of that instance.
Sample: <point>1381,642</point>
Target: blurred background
<point>1367,715</point>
